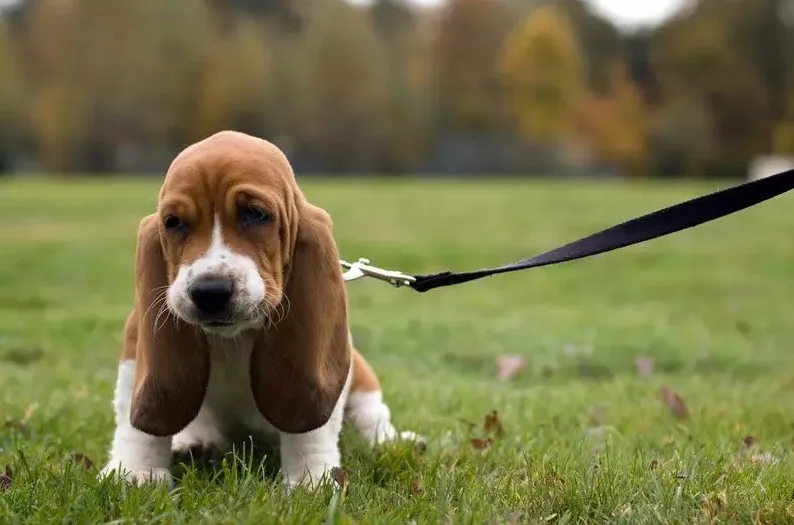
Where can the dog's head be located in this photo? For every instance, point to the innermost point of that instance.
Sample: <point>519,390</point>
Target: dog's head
<point>235,250</point>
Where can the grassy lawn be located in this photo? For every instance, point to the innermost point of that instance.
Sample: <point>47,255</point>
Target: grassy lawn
<point>587,436</point>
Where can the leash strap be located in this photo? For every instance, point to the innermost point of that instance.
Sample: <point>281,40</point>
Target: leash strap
<point>651,226</point>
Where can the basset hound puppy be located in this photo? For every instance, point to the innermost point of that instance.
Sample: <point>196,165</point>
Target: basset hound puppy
<point>240,323</point>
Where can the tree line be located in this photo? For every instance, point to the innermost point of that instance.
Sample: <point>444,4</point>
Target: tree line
<point>475,86</point>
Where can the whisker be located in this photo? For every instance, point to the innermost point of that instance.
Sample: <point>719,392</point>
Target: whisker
<point>161,293</point>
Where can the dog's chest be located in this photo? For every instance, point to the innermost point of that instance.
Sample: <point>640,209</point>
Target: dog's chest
<point>229,401</point>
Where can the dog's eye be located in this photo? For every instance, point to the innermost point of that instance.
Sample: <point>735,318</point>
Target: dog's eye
<point>174,223</point>
<point>253,216</point>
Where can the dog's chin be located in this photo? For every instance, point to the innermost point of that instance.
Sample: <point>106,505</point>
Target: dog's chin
<point>223,329</point>
<point>226,328</point>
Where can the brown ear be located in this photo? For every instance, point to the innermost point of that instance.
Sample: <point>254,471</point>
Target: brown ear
<point>298,368</point>
<point>172,362</point>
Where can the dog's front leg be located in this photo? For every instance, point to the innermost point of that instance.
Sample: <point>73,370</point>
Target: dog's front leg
<point>135,456</point>
<point>307,459</point>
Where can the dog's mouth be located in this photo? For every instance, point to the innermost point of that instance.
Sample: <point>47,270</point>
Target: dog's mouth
<point>218,324</point>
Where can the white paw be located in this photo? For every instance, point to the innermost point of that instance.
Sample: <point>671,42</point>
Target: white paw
<point>309,480</point>
<point>391,435</point>
<point>198,449</point>
<point>407,435</point>
<point>138,475</point>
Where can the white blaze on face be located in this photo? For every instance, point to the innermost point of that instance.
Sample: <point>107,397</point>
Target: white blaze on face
<point>219,261</point>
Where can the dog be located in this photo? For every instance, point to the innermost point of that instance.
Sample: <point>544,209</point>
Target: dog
<point>239,326</point>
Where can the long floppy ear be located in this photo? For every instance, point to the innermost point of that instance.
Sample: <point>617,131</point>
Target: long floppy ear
<point>299,368</point>
<point>172,361</point>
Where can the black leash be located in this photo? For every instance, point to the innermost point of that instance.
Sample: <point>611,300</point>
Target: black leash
<point>651,226</point>
<point>669,220</point>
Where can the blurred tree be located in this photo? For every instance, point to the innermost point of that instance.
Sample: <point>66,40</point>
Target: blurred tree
<point>541,71</point>
<point>111,74</point>
<point>408,119</point>
<point>287,16</point>
<point>468,38</point>
<point>58,109</point>
<point>783,130</point>
<point>696,59</point>
<point>616,125</point>
<point>232,89</point>
<point>12,97</point>
<point>684,138</point>
<point>601,43</point>
<point>345,107</point>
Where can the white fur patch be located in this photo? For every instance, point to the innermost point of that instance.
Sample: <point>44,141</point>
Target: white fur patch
<point>135,455</point>
<point>220,261</point>
<point>371,417</point>
<point>229,414</point>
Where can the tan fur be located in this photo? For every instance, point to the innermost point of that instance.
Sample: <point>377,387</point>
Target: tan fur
<point>298,369</point>
<point>364,378</point>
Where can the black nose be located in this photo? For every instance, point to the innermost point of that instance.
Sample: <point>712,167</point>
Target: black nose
<point>211,296</point>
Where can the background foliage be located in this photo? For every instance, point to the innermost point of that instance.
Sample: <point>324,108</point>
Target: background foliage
<point>475,86</point>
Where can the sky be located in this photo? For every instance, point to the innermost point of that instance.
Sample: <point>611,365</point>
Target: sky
<point>624,13</point>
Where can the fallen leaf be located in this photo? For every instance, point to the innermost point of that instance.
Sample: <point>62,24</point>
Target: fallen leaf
<point>749,441</point>
<point>339,476</point>
<point>480,443</point>
<point>416,488</point>
<point>7,478</point>
<point>509,366</point>
<point>674,402</point>
<point>82,459</point>
<point>644,365</point>
<point>492,423</point>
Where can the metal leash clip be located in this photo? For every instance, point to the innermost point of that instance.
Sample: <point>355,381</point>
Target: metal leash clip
<point>362,268</point>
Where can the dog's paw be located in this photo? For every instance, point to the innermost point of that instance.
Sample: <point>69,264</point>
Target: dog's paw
<point>190,445</point>
<point>138,475</point>
<point>310,481</point>
<point>394,436</point>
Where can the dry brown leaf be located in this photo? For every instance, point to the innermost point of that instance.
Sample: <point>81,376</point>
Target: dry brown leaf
<point>480,444</point>
<point>509,366</point>
<point>416,488</point>
<point>644,365</point>
<point>492,423</point>
<point>339,476</point>
<point>674,402</point>
<point>7,478</point>
<point>82,459</point>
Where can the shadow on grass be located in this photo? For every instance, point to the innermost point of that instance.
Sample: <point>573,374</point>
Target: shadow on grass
<point>257,459</point>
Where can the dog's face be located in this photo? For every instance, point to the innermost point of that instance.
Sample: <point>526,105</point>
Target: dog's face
<point>225,222</point>
<point>234,245</point>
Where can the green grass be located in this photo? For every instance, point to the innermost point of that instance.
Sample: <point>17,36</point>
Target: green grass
<point>586,438</point>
